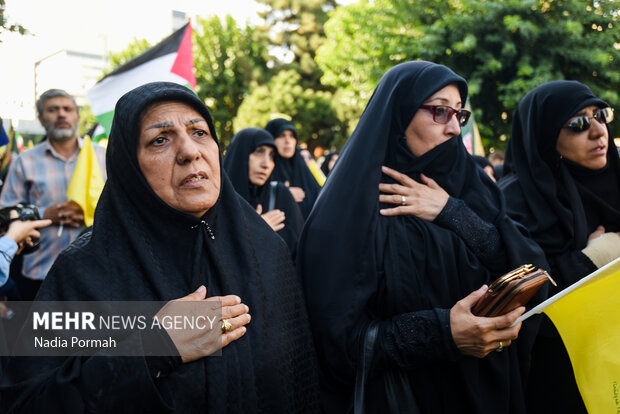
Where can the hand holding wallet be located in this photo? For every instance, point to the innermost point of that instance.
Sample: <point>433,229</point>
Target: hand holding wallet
<point>511,290</point>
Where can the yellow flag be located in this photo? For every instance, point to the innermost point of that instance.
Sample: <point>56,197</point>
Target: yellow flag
<point>87,181</point>
<point>588,319</point>
<point>316,172</point>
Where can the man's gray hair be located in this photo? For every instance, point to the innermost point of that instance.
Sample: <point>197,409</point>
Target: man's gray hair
<point>52,93</point>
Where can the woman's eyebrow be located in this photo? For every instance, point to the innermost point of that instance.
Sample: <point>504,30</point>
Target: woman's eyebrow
<point>166,124</point>
<point>194,121</point>
<point>161,125</point>
<point>442,100</point>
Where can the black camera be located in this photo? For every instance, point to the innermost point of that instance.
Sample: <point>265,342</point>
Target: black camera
<point>24,212</point>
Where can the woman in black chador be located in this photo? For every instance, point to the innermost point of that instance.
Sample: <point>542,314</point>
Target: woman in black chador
<point>249,162</point>
<point>329,162</point>
<point>290,165</point>
<point>169,223</point>
<point>562,181</point>
<point>403,239</point>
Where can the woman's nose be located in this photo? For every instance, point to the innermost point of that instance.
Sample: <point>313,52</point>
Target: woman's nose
<point>597,129</point>
<point>264,161</point>
<point>453,127</point>
<point>187,149</point>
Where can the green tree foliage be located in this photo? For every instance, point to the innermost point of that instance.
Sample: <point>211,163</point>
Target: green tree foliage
<point>503,48</point>
<point>311,111</point>
<point>296,26</point>
<point>87,120</point>
<point>133,49</point>
<point>229,60</point>
<point>5,25</point>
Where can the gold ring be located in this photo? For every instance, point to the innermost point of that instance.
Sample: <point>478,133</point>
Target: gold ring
<point>500,347</point>
<point>226,326</point>
<point>403,200</point>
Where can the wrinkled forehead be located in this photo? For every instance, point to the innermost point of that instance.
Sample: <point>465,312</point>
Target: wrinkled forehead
<point>162,110</point>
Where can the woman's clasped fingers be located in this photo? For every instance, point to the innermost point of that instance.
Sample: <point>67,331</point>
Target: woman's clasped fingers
<point>275,219</point>
<point>500,333</point>
<point>478,336</point>
<point>233,335</point>
<point>504,321</point>
<point>234,319</point>
<point>234,310</point>
<point>227,300</point>
<point>398,176</point>
<point>393,190</point>
<point>234,328</point>
<point>423,200</point>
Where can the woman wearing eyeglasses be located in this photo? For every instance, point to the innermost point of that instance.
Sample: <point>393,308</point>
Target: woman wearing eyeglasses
<point>562,181</point>
<point>409,231</point>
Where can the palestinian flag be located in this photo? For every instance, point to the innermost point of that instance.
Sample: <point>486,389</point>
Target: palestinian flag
<point>170,60</point>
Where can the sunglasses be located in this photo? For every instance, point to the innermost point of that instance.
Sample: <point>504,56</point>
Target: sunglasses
<point>603,115</point>
<point>442,114</point>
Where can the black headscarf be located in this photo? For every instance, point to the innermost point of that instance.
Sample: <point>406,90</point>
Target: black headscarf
<point>277,126</point>
<point>481,161</point>
<point>236,164</point>
<point>373,267</point>
<point>325,165</point>
<point>142,249</point>
<point>294,169</point>
<point>559,202</point>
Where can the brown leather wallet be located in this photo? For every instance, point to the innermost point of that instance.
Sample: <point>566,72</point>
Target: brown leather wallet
<point>511,290</point>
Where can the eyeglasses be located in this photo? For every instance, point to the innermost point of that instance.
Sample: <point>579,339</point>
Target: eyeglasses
<point>603,115</point>
<point>442,114</point>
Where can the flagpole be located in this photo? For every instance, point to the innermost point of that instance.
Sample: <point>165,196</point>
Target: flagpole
<point>559,295</point>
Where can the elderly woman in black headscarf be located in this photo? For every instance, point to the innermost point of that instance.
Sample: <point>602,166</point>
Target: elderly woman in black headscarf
<point>249,162</point>
<point>562,182</point>
<point>408,275</point>
<point>169,223</point>
<point>290,166</point>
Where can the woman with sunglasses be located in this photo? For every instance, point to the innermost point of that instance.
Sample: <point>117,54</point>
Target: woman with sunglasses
<point>409,232</point>
<point>562,181</point>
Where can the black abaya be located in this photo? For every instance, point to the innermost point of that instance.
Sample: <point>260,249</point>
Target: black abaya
<point>325,165</point>
<point>405,272</point>
<point>236,166</point>
<point>143,250</point>
<point>294,169</point>
<point>561,204</point>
